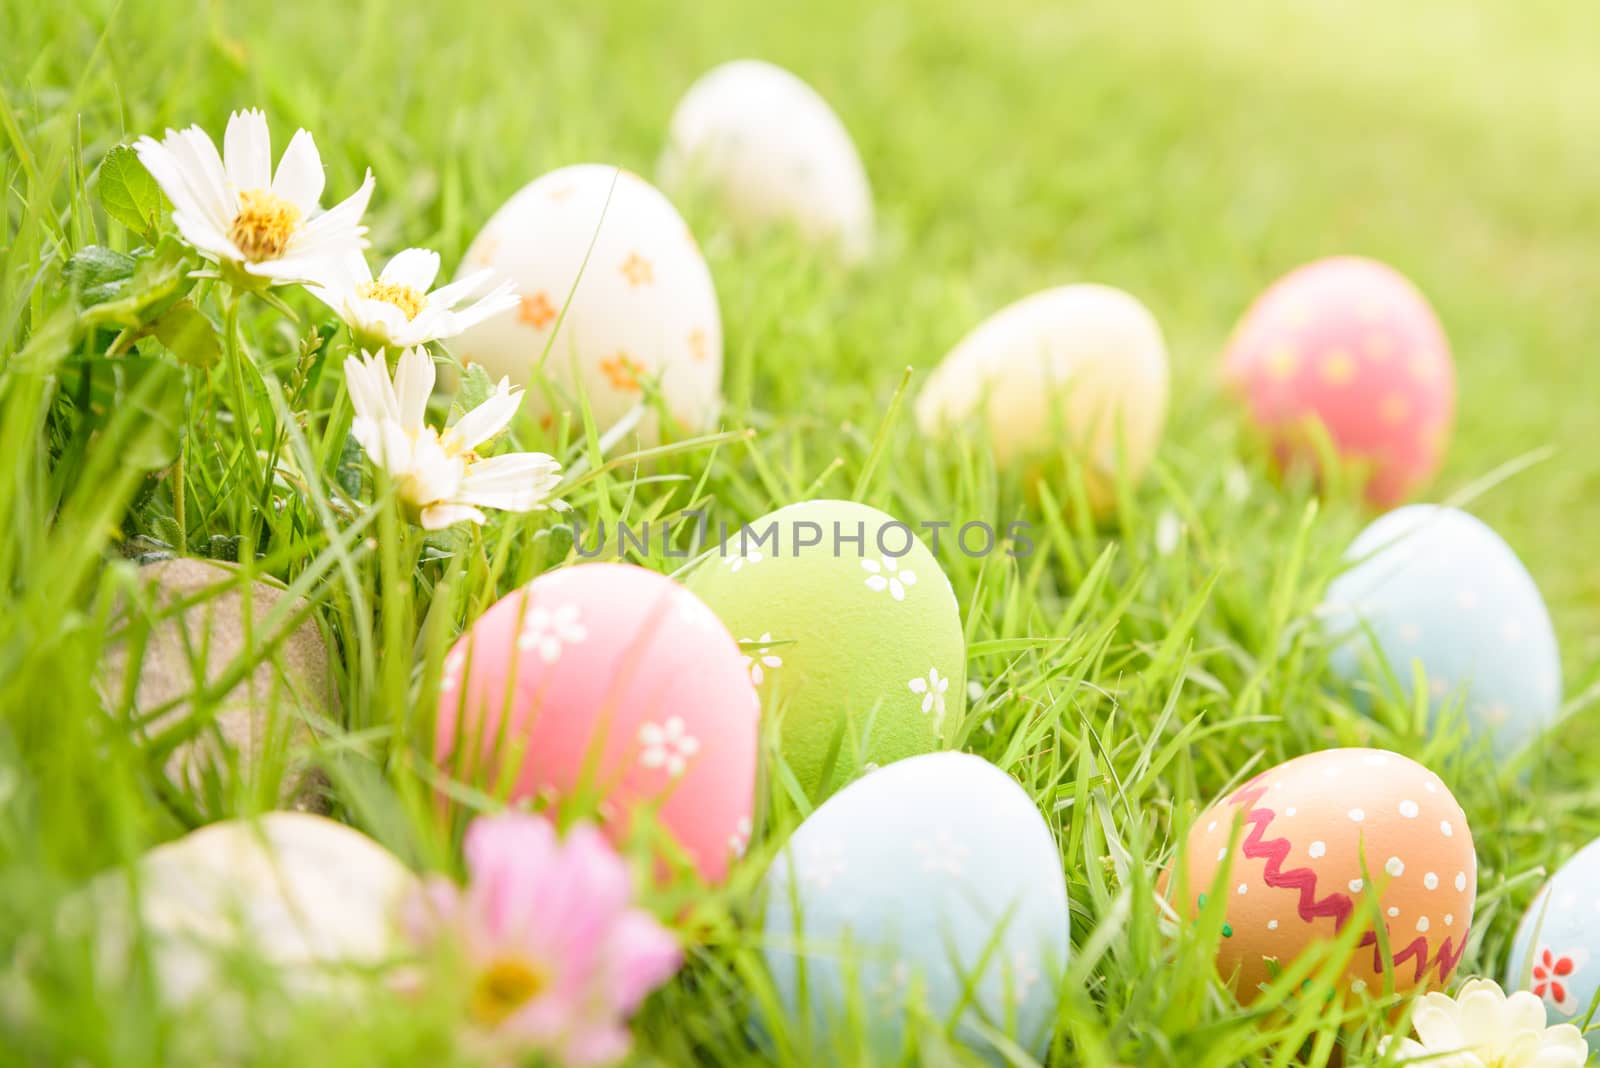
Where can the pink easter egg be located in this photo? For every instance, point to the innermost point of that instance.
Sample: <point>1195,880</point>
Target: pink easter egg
<point>1350,343</point>
<point>611,678</point>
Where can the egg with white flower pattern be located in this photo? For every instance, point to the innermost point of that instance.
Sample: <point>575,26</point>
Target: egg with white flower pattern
<point>615,681</point>
<point>771,150</point>
<point>1078,372</point>
<point>1436,586</point>
<point>1328,839</point>
<point>1556,954</point>
<point>642,322</point>
<point>314,898</point>
<point>852,632</point>
<point>931,888</point>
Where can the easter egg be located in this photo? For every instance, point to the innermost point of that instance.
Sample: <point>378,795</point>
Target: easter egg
<point>313,898</point>
<point>1079,371</point>
<point>1351,345</point>
<point>614,679</point>
<point>259,723</point>
<point>851,631</point>
<point>1319,837</point>
<point>642,320</point>
<point>1556,953</point>
<point>1435,586</point>
<point>770,149</point>
<point>933,883</point>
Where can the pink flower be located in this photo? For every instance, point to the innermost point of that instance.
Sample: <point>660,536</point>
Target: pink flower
<point>556,956</point>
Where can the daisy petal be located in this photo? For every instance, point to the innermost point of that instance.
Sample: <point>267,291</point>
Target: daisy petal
<point>515,482</point>
<point>247,151</point>
<point>300,179</point>
<point>439,516</point>
<point>415,268</point>
<point>487,419</point>
<point>413,385</point>
<point>197,158</point>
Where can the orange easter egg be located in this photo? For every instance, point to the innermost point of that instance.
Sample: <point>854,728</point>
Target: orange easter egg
<point>1350,344</point>
<point>1321,837</point>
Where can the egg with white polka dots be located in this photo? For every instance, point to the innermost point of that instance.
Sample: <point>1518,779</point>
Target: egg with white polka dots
<point>850,629</point>
<point>931,889</point>
<point>608,681</point>
<point>1078,372</point>
<point>1348,349</point>
<point>1436,587</point>
<point>617,307</point>
<point>1332,838</point>
<point>1556,954</point>
<point>769,149</point>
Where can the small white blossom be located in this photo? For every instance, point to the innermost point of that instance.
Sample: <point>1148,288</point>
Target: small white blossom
<point>932,690</point>
<point>235,210</point>
<point>440,477</point>
<point>549,631</point>
<point>397,308</point>
<point>763,657</point>
<point>1483,1028</point>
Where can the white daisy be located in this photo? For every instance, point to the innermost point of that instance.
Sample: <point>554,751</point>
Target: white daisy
<point>396,308</point>
<point>440,476</point>
<point>237,212</point>
<point>1483,1028</point>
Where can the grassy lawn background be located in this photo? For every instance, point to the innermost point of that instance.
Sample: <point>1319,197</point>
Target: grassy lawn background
<point>1188,153</point>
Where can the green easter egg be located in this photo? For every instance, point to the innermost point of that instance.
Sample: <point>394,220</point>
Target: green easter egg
<point>851,631</point>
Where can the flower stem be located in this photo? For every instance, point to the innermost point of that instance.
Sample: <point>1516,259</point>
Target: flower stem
<point>243,423</point>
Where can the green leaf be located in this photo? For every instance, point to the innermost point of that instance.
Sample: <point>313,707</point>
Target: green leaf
<point>128,193</point>
<point>189,334</point>
<point>99,274</point>
<point>476,387</point>
<point>352,470</point>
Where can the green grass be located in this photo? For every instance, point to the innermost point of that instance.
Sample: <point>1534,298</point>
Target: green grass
<point>1188,153</point>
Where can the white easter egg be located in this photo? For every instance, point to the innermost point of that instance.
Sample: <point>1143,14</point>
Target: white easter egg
<point>1435,586</point>
<point>771,150</point>
<point>642,316</point>
<point>928,879</point>
<point>1078,370</point>
<point>307,895</point>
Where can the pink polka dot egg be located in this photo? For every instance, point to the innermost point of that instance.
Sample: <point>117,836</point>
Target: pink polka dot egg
<point>1350,344</point>
<point>1337,837</point>
<point>613,679</point>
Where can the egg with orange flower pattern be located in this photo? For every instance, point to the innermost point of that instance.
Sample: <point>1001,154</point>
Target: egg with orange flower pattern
<point>1337,837</point>
<point>614,683</point>
<point>617,306</point>
<point>1352,345</point>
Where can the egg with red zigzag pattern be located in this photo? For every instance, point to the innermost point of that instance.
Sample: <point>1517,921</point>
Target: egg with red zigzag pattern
<point>1338,837</point>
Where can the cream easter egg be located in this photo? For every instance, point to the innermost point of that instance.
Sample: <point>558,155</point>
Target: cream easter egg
<point>852,633</point>
<point>1324,840</point>
<point>642,320</point>
<point>1556,954</point>
<point>1436,587</point>
<point>311,897</point>
<point>771,150</point>
<point>1350,344</point>
<point>1079,371</point>
<point>930,886</point>
<point>615,679</point>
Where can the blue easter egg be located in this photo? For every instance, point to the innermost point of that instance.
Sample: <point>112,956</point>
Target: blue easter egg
<point>927,881</point>
<point>1436,586</point>
<point>1557,950</point>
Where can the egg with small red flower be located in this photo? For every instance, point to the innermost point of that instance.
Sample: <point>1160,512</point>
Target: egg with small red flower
<point>1329,839</point>
<point>1349,349</point>
<point>1556,954</point>
<point>615,683</point>
<point>617,307</point>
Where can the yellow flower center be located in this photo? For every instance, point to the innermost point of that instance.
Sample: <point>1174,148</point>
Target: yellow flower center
<point>264,225</point>
<point>503,988</point>
<point>405,298</point>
